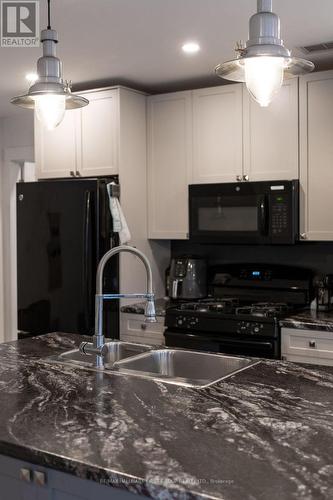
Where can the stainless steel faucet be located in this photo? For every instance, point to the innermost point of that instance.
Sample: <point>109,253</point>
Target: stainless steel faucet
<point>98,345</point>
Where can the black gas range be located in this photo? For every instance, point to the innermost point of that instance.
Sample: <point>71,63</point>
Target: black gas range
<point>242,313</point>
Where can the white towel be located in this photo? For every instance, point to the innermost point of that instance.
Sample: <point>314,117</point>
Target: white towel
<point>119,222</point>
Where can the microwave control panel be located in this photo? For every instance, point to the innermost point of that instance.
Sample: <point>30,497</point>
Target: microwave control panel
<point>279,216</point>
<point>180,268</point>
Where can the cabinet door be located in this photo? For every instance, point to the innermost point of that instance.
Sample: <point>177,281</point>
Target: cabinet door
<point>271,135</point>
<point>316,155</point>
<point>99,126</point>
<point>169,164</point>
<point>133,328</point>
<point>56,151</point>
<point>307,346</point>
<point>217,129</point>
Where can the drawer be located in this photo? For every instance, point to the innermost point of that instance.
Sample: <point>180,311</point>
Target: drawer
<point>311,345</point>
<point>133,328</point>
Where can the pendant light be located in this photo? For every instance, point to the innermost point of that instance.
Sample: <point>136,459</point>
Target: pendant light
<point>264,61</point>
<point>49,96</point>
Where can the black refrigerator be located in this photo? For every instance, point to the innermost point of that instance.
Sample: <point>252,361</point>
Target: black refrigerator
<point>63,229</point>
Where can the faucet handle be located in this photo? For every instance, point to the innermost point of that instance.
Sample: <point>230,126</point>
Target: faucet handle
<point>150,311</point>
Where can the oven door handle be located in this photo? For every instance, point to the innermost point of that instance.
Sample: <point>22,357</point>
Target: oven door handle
<point>262,216</point>
<point>246,341</point>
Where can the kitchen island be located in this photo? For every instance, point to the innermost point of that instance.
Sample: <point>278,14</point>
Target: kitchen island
<point>266,432</point>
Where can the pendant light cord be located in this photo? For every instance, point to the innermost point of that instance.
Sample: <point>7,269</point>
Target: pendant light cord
<point>48,15</point>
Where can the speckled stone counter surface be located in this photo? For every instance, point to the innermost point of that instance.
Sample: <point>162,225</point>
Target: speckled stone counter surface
<point>310,320</point>
<point>266,433</point>
<point>139,308</point>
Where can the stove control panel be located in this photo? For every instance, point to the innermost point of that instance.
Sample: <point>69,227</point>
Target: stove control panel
<point>187,321</point>
<point>250,328</point>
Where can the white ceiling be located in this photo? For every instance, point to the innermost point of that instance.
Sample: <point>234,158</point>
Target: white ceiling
<point>138,42</point>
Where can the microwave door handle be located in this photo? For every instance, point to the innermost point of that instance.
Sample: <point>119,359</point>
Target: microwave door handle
<point>262,216</point>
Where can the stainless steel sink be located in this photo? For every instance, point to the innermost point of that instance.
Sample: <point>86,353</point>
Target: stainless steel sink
<point>114,351</point>
<point>186,368</point>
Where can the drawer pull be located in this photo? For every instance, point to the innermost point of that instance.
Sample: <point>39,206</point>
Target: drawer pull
<point>25,475</point>
<point>39,478</point>
<point>312,344</point>
<point>143,326</point>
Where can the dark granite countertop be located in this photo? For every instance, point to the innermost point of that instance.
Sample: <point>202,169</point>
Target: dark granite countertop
<point>139,308</point>
<point>310,320</point>
<point>265,433</point>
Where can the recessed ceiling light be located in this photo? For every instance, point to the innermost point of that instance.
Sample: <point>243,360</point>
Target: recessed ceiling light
<point>31,77</point>
<point>191,47</point>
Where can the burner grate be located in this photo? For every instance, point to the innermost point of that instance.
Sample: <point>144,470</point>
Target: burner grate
<point>210,305</point>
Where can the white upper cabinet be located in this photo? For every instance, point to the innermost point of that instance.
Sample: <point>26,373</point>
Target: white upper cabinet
<point>217,134</point>
<point>316,155</point>
<point>56,151</point>
<point>85,143</point>
<point>271,136</point>
<point>99,134</point>
<point>169,164</point>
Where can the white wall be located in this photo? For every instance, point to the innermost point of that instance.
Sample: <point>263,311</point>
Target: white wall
<point>16,142</point>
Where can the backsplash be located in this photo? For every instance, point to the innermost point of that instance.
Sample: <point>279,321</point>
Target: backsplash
<point>316,256</point>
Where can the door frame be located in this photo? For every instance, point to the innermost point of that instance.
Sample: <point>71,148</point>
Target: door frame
<point>12,159</point>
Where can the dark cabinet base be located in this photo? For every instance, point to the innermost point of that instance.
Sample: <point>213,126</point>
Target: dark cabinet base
<point>19,481</point>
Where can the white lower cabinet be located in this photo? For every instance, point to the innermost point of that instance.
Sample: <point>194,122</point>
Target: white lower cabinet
<point>133,328</point>
<point>307,346</point>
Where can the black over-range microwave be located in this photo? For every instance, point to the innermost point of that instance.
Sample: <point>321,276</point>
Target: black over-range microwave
<point>245,212</point>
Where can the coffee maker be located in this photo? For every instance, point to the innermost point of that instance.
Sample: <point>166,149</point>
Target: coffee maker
<point>188,278</point>
<point>324,292</point>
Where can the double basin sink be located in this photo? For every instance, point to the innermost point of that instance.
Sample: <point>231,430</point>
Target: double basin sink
<point>174,366</point>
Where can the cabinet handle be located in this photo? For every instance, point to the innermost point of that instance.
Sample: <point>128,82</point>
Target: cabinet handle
<point>39,478</point>
<point>72,173</point>
<point>25,475</point>
<point>245,178</point>
<point>303,236</point>
<point>238,178</point>
<point>312,344</point>
<point>78,174</point>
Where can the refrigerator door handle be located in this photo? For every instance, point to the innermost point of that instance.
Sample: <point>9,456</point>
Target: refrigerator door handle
<point>87,258</point>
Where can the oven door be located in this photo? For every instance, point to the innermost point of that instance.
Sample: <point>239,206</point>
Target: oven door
<point>255,347</point>
<point>228,213</point>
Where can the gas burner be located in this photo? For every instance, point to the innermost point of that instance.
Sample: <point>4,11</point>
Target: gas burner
<point>226,305</point>
<point>264,309</point>
<point>268,309</point>
<point>243,310</point>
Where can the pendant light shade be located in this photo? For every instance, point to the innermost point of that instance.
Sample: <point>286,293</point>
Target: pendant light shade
<point>49,96</point>
<point>264,62</point>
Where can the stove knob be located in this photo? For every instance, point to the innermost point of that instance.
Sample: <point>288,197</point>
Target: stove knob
<point>179,322</point>
<point>256,329</point>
